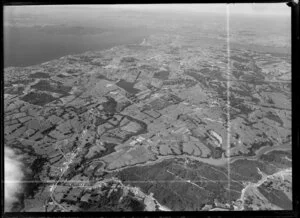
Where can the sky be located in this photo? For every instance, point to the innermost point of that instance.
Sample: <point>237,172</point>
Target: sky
<point>246,8</point>
<point>275,9</point>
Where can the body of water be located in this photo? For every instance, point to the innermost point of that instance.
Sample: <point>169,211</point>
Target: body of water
<point>26,46</point>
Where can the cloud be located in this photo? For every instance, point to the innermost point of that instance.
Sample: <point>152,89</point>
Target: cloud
<point>13,177</point>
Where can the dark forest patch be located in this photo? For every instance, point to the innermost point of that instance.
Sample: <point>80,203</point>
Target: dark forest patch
<point>14,90</point>
<point>39,75</point>
<point>163,75</point>
<point>36,98</point>
<point>197,76</point>
<point>57,87</point>
<point>127,86</point>
<point>128,60</point>
<point>270,115</point>
<point>276,197</point>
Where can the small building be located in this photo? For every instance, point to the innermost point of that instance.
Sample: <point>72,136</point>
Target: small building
<point>140,139</point>
<point>133,143</point>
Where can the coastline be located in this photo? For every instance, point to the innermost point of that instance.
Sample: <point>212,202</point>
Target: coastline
<point>107,47</point>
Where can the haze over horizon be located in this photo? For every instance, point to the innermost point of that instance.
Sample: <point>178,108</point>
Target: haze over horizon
<point>278,9</point>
